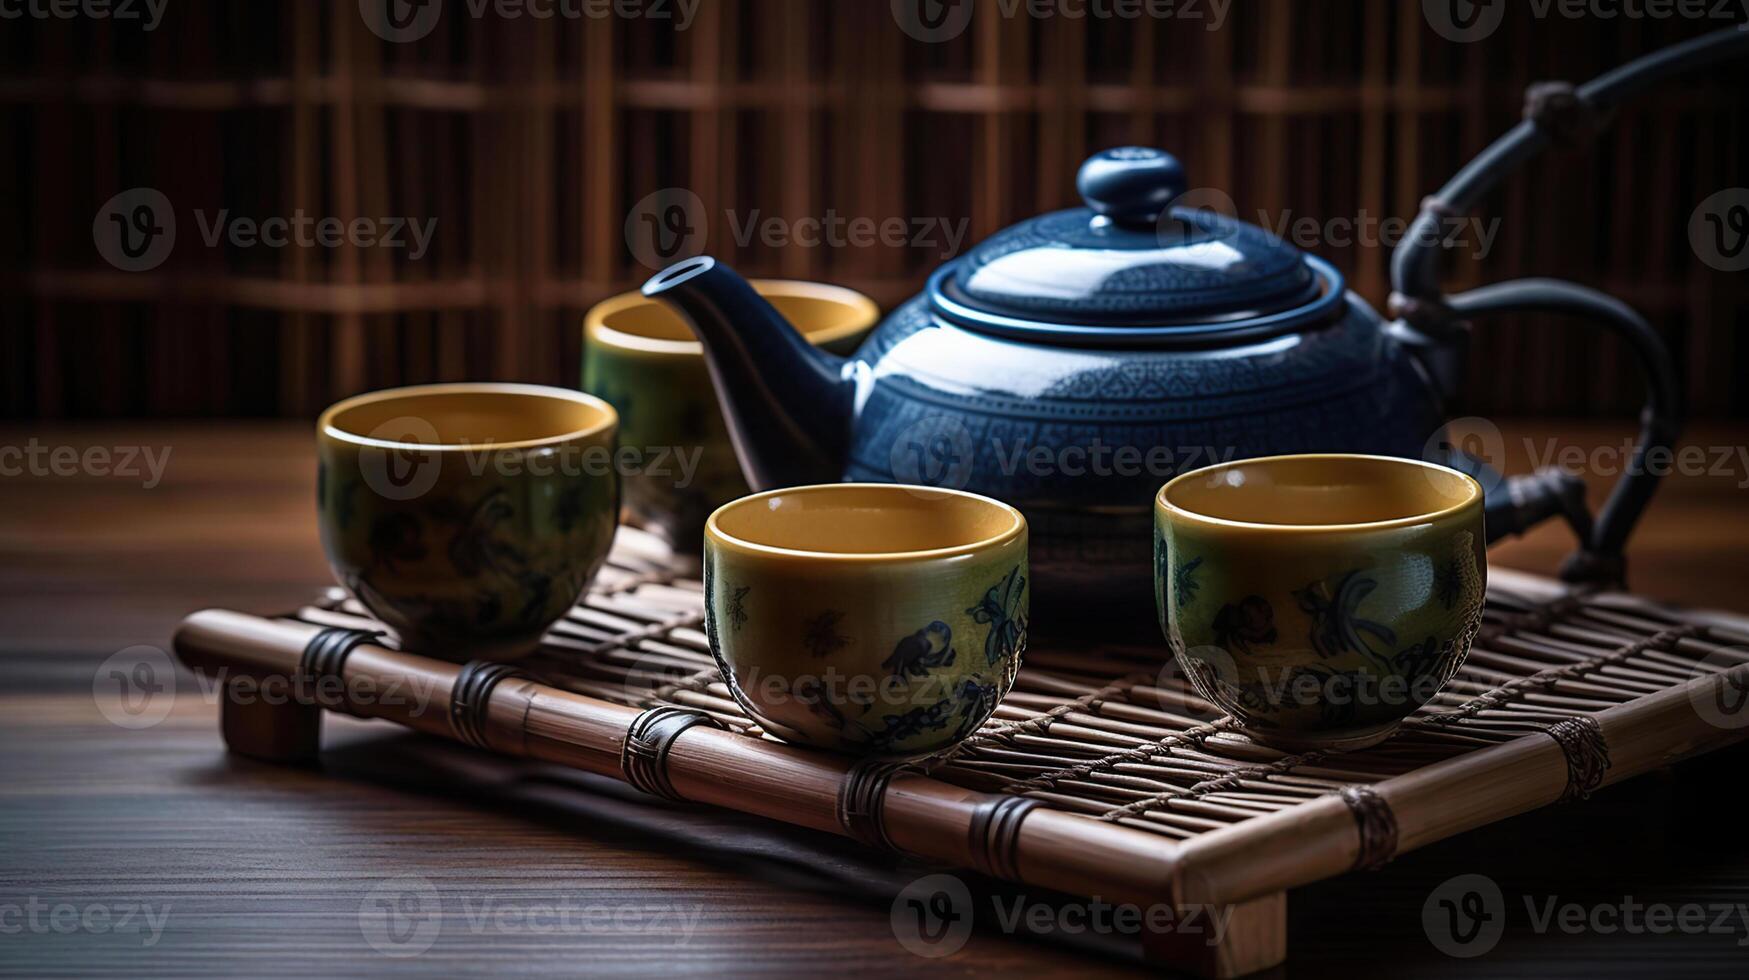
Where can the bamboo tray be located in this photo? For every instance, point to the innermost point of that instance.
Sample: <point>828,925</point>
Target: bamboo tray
<point>1102,773</point>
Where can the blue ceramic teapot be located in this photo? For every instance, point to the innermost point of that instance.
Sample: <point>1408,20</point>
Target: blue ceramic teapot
<point>1072,363</point>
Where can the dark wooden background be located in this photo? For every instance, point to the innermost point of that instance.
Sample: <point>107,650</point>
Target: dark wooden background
<point>530,140</point>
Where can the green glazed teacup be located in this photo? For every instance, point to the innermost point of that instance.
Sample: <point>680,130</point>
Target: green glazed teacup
<point>876,619</point>
<point>1320,599</point>
<point>644,360</point>
<point>467,517</point>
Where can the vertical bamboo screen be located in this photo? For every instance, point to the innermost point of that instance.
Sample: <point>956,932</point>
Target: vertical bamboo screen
<point>529,141</point>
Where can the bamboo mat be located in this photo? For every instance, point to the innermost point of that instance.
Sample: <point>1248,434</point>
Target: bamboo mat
<point>1114,733</point>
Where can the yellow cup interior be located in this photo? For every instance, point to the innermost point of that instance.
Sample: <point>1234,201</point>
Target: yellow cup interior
<point>823,313</point>
<point>863,520</point>
<point>1320,491</point>
<point>467,416</point>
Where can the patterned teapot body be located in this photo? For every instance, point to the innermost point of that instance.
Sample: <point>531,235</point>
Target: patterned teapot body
<point>1080,438</point>
<point>1070,365</point>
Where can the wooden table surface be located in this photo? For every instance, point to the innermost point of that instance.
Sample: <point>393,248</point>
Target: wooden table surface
<point>149,850</point>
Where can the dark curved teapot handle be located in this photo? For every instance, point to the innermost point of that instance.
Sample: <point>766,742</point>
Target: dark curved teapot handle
<point>1600,556</point>
<point>1433,323</point>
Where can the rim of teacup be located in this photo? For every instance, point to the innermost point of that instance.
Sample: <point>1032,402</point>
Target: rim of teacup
<point>596,329</point>
<point>1015,528</point>
<point>606,419</point>
<point>1471,500</point>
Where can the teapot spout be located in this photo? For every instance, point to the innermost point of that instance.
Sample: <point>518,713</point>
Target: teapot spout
<point>786,402</point>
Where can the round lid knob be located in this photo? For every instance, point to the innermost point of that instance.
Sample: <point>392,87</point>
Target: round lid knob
<point>1117,265</point>
<point>1131,185</point>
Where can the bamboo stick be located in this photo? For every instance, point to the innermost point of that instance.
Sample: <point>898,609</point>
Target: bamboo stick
<point>1319,839</point>
<point>1172,822</point>
<point>923,816</point>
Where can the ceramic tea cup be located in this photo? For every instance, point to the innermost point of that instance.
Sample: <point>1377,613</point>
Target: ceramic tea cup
<point>644,360</point>
<point>1320,599</point>
<point>876,619</point>
<point>467,517</point>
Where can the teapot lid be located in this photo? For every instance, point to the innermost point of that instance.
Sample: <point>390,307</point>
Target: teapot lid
<point>1134,266</point>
